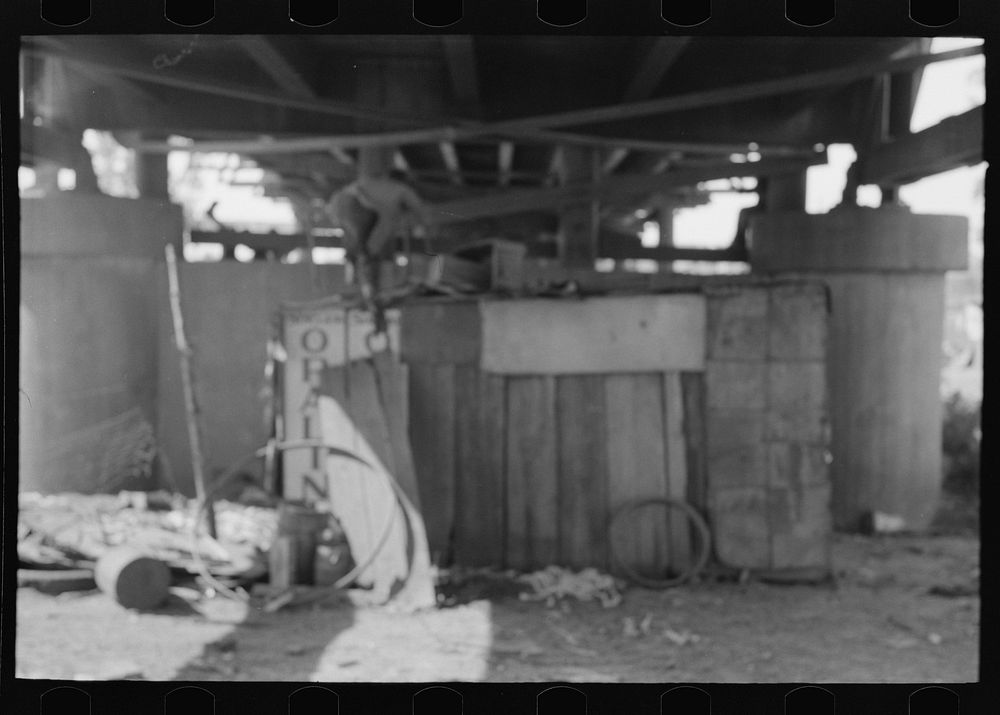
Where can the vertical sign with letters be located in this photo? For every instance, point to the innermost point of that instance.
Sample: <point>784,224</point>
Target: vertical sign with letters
<point>314,338</point>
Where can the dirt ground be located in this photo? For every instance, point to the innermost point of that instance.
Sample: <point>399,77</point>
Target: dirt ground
<point>877,622</point>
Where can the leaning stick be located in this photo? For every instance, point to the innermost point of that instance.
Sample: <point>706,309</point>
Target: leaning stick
<point>191,406</point>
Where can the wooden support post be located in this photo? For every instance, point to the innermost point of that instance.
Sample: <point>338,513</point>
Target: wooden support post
<point>785,192</point>
<point>187,380</point>
<point>665,206</point>
<point>151,175</point>
<point>83,166</point>
<point>578,221</point>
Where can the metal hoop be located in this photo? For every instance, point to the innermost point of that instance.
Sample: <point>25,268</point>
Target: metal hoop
<point>691,517</point>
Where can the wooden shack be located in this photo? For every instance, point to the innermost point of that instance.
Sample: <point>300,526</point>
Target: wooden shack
<point>533,420</point>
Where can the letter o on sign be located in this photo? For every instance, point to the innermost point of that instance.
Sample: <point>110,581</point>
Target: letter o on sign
<point>314,340</point>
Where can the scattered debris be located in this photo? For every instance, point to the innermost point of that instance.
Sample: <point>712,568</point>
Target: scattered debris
<point>73,531</point>
<point>56,581</point>
<point>958,589</point>
<point>271,599</point>
<point>873,579</point>
<point>555,582</point>
<point>680,637</point>
<point>519,646</point>
<point>646,624</point>
<point>117,670</point>
<point>459,585</point>
<point>902,625</point>
<point>572,642</point>
<point>901,642</point>
<point>877,522</point>
<point>226,644</point>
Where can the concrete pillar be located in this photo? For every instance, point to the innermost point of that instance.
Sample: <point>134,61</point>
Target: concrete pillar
<point>90,277</point>
<point>151,176</point>
<point>885,271</point>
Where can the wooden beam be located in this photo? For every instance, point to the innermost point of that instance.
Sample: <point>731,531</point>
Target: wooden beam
<point>489,174</point>
<point>292,145</point>
<point>619,245</point>
<point>342,156</point>
<point>614,158</point>
<point>556,164</point>
<point>460,52</point>
<point>450,157</point>
<point>702,99</point>
<point>614,187</point>
<point>505,162</point>
<point>954,142</point>
<point>278,243</point>
<point>664,163</point>
<point>663,52</point>
<point>649,145</point>
<point>277,66</point>
<point>659,57</point>
<point>400,163</point>
<point>902,89</point>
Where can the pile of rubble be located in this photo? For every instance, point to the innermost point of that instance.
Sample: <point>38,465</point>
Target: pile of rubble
<point>73,531</point>
<point>554,582</point>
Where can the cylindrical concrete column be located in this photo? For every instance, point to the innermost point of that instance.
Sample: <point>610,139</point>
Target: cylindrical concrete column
<point>885,270</point>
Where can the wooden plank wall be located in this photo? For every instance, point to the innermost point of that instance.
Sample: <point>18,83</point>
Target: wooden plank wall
<point>524,471</point>
<point>583,464</point>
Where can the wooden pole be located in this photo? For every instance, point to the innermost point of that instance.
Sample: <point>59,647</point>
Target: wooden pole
<point>187,380</point>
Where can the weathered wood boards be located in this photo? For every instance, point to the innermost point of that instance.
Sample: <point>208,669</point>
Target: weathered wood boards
<point>679,534</point>
<point>525,468</point>
<point>532,485</point>
<point>432,440</point>
<point>583,426</point>
<point>596,335</point>
<point>637,466</point>
<point>479,467</point>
